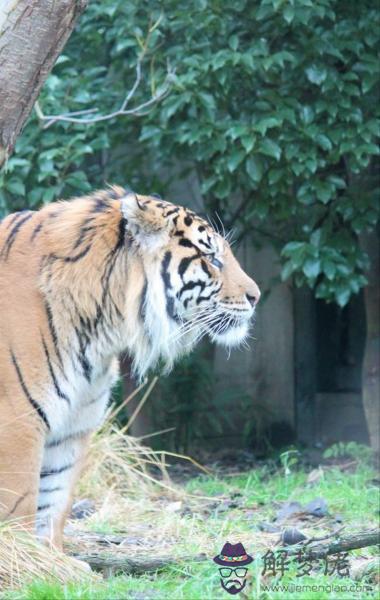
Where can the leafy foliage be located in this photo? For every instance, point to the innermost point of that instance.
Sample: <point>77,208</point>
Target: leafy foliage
<point>349,449</point>
<point>184,403</point>
<point>274,106</point>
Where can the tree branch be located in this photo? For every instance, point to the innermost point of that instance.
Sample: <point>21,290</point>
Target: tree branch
<point>111,563</point>
<point>350,542</point>
<point>141,109</point>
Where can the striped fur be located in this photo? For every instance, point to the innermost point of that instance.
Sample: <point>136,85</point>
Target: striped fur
<point>80,282</point>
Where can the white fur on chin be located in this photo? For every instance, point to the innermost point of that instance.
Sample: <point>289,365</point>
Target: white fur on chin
<point>233,336</point>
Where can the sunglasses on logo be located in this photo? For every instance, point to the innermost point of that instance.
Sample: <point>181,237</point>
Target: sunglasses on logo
<point>239,572</point>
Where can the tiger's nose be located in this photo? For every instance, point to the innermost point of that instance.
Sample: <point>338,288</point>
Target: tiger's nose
<point>253,300</point>
<point>253,295</point>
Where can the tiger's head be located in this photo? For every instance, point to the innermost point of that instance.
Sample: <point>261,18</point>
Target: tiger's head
<point>193,285</point>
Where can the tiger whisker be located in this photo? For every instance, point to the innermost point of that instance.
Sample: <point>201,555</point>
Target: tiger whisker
<point>195,325</point>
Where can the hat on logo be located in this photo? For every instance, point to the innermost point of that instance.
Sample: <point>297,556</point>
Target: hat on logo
<point>233,555</point>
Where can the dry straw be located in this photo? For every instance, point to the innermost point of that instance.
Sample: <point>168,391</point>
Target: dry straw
<point>119,469</point>
<point>23,559</point>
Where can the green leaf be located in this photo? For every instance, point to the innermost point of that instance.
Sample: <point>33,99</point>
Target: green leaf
<point>275,175</point>
<point>323,141</point>
<point>312,268</point>
<point>270,148</point>
<point>342,295</point>
<point>15,186</point>
<point>287,270</point>
<point>315,237</point>
<point>289,13</point>
<point>292,247</point>
<point>234,159</point>
<point>264,124</point>
<point>248,141</point>
<point>316,75</point>
<point>329,269</point>
<point>236,131</point>
<point>324,191</point>
<point>233,42</point>
<point>338,182</point>
<point>254,168</point>
<point>307,114</point>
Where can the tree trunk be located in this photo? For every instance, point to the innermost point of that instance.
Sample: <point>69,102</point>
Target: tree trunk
<point>371,363</point>
<point>32,35</point>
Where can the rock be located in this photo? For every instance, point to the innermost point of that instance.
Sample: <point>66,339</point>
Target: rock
<point>82,509</point>
<point>317,508</point>
<point>288,510</point>
<point>269,527</point>
<point>291,536</point>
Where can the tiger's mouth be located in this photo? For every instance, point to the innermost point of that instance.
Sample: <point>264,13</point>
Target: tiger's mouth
<point>229,329</point>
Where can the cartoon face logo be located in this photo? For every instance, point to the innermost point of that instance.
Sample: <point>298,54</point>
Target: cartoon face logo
<point>233,560</point>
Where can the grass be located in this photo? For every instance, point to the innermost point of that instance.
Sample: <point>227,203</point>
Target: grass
<point>171,520</point>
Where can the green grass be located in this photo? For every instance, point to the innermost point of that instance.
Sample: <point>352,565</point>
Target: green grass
<point>351,494</point>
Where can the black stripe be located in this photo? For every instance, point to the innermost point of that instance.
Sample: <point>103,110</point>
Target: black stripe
<point>85,228</point>
<point>208,246</point>
<point>83,340</point>
<point>168,285</point>
<point>56,471</point>
<point>86,366</point>
<point>50,490</point>
<point>36,231</point>
<point>184,264</point>
<point>86,326</point>
<point>53,331</point>
<point>170,309</point>
<point>72,436</point>
<point>98,316</point>
<point>121,235</point>
<point>43,506</point>
<point>17,503</point>
<point>205,268</point>
<point>110,265</point>
<point>191,285</point>
<point>72,259</point>
<point>164,269</point>
<point>15,217</point>
<point>142,307</point>
<point>100,205</point>
<point>205,298</point>
<point>173,211</point>
<point>13,234</point>
<point>58,390</point>
<point>35,404</point>
<point>186,243</point>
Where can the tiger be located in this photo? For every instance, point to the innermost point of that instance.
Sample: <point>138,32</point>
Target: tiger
<point>82,281</point>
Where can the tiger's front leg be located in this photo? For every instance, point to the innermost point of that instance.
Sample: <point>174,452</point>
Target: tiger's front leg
<point>62,463</point>
<point>21,450</point>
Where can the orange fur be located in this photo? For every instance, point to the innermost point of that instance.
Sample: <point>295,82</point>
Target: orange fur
<point>80,282</point>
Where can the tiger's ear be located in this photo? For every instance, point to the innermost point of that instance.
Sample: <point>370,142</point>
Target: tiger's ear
<point>146,222</point>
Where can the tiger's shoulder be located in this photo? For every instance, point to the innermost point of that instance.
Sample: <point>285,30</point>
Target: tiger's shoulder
<point>65,222</point>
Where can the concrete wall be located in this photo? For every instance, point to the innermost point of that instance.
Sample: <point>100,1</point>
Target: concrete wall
<point>263,375</point>
<point>254,384</point>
